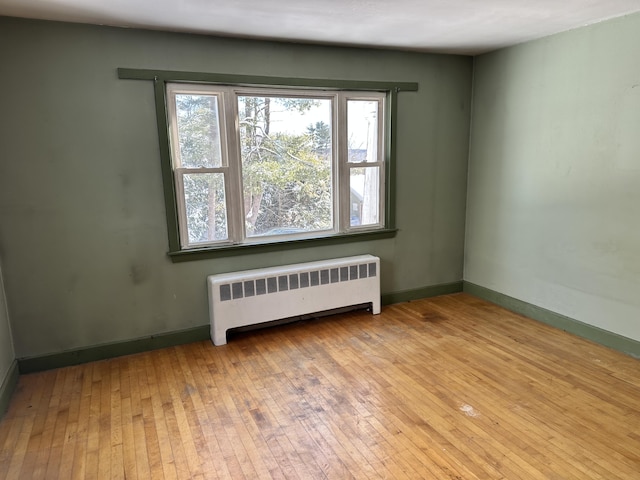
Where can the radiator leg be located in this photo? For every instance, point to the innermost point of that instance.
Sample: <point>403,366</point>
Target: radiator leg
<point>375,306</point>
<point>219,338</point>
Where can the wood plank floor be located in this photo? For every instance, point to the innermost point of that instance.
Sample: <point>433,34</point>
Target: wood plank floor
<point>444,388</point>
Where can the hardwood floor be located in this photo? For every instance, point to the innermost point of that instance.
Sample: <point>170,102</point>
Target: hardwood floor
<point>444,388</point>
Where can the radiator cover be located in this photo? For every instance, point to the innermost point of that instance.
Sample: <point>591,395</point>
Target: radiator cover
<point>251,297</point>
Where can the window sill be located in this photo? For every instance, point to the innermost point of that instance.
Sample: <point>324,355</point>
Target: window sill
<point>232,250</point>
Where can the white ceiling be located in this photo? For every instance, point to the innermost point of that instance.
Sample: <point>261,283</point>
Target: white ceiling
<point>452,26</point>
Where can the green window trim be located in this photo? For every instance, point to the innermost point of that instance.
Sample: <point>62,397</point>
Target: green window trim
<point>278,246</point>
<point>161,77</point>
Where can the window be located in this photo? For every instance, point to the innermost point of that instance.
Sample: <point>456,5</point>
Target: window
<point>260,165</point>
<point>255,163</point>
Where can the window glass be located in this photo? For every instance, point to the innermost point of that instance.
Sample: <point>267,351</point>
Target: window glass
<point>364,183</point>
<point>286,161</point>
<point>198,130</point>
<point>205,205</point>
<point>362,130</point>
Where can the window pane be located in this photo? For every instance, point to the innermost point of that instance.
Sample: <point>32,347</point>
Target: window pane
<point>198,131</point>
<point>364,184</point>
<point>286,158</point>
<point>206,207</point>
<point>362,130</point>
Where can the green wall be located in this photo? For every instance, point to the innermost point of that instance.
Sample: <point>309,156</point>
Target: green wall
<point>7,355</point>
<point>554,175</point>
<point>83,236</point>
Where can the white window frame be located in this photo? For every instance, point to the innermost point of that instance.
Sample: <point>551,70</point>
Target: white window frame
<point>346,166</point>
<point>231,161</point>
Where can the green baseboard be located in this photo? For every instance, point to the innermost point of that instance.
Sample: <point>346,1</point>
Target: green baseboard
<point>609,339</point>
<point>8,387</point>
<point>424,292</point>
<point>110,350</point>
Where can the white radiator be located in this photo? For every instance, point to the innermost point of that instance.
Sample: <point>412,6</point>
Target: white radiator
<point>245,298</point>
